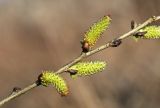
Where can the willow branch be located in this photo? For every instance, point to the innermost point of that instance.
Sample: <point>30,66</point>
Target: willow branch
<point>12,96</point>
<point>83,55</point>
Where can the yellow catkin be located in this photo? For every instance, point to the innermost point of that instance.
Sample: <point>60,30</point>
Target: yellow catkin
<point>150,32</point>
<point>153,32</point>
<point>48,77</point>
<point>95,31</point>
<point>88,68</point>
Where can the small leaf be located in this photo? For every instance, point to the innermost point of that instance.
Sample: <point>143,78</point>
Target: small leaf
<point>87,68</point>
<point>48,77</point>
<point>95,31</point>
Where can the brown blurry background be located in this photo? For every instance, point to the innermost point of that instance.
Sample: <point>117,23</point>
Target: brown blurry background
<point>36,35</point>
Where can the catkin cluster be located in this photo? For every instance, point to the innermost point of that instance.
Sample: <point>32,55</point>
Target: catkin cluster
<point>89,68</point>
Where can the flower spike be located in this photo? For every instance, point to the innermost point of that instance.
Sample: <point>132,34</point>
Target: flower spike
<point>149,32</point>
<point>48,77</point>
<point>87,68</point>
<point>95,31</point>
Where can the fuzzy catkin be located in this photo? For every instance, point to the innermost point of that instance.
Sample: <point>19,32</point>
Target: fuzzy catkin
<point>153,32</point>
<point>87,68</point>
<point>95,31</point>
<point>58,82</point>
<point>150,32</point>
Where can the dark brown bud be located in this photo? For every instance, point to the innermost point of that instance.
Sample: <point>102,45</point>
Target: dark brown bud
<point>85,47</point>
<point>139,34</point>
<point>115,43</point>
<point>72,71</point>
<point>16,89</point>
<point>133,24</point>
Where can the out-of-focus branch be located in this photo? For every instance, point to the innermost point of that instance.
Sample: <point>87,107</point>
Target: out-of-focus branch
<point>113,43</point>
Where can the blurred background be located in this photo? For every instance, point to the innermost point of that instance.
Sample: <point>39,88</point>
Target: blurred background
<point>38,35</point>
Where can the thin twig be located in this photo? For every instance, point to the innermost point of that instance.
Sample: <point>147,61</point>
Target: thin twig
<point>83,55</point>
<point>12,96</point>
<point>71,63</point>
